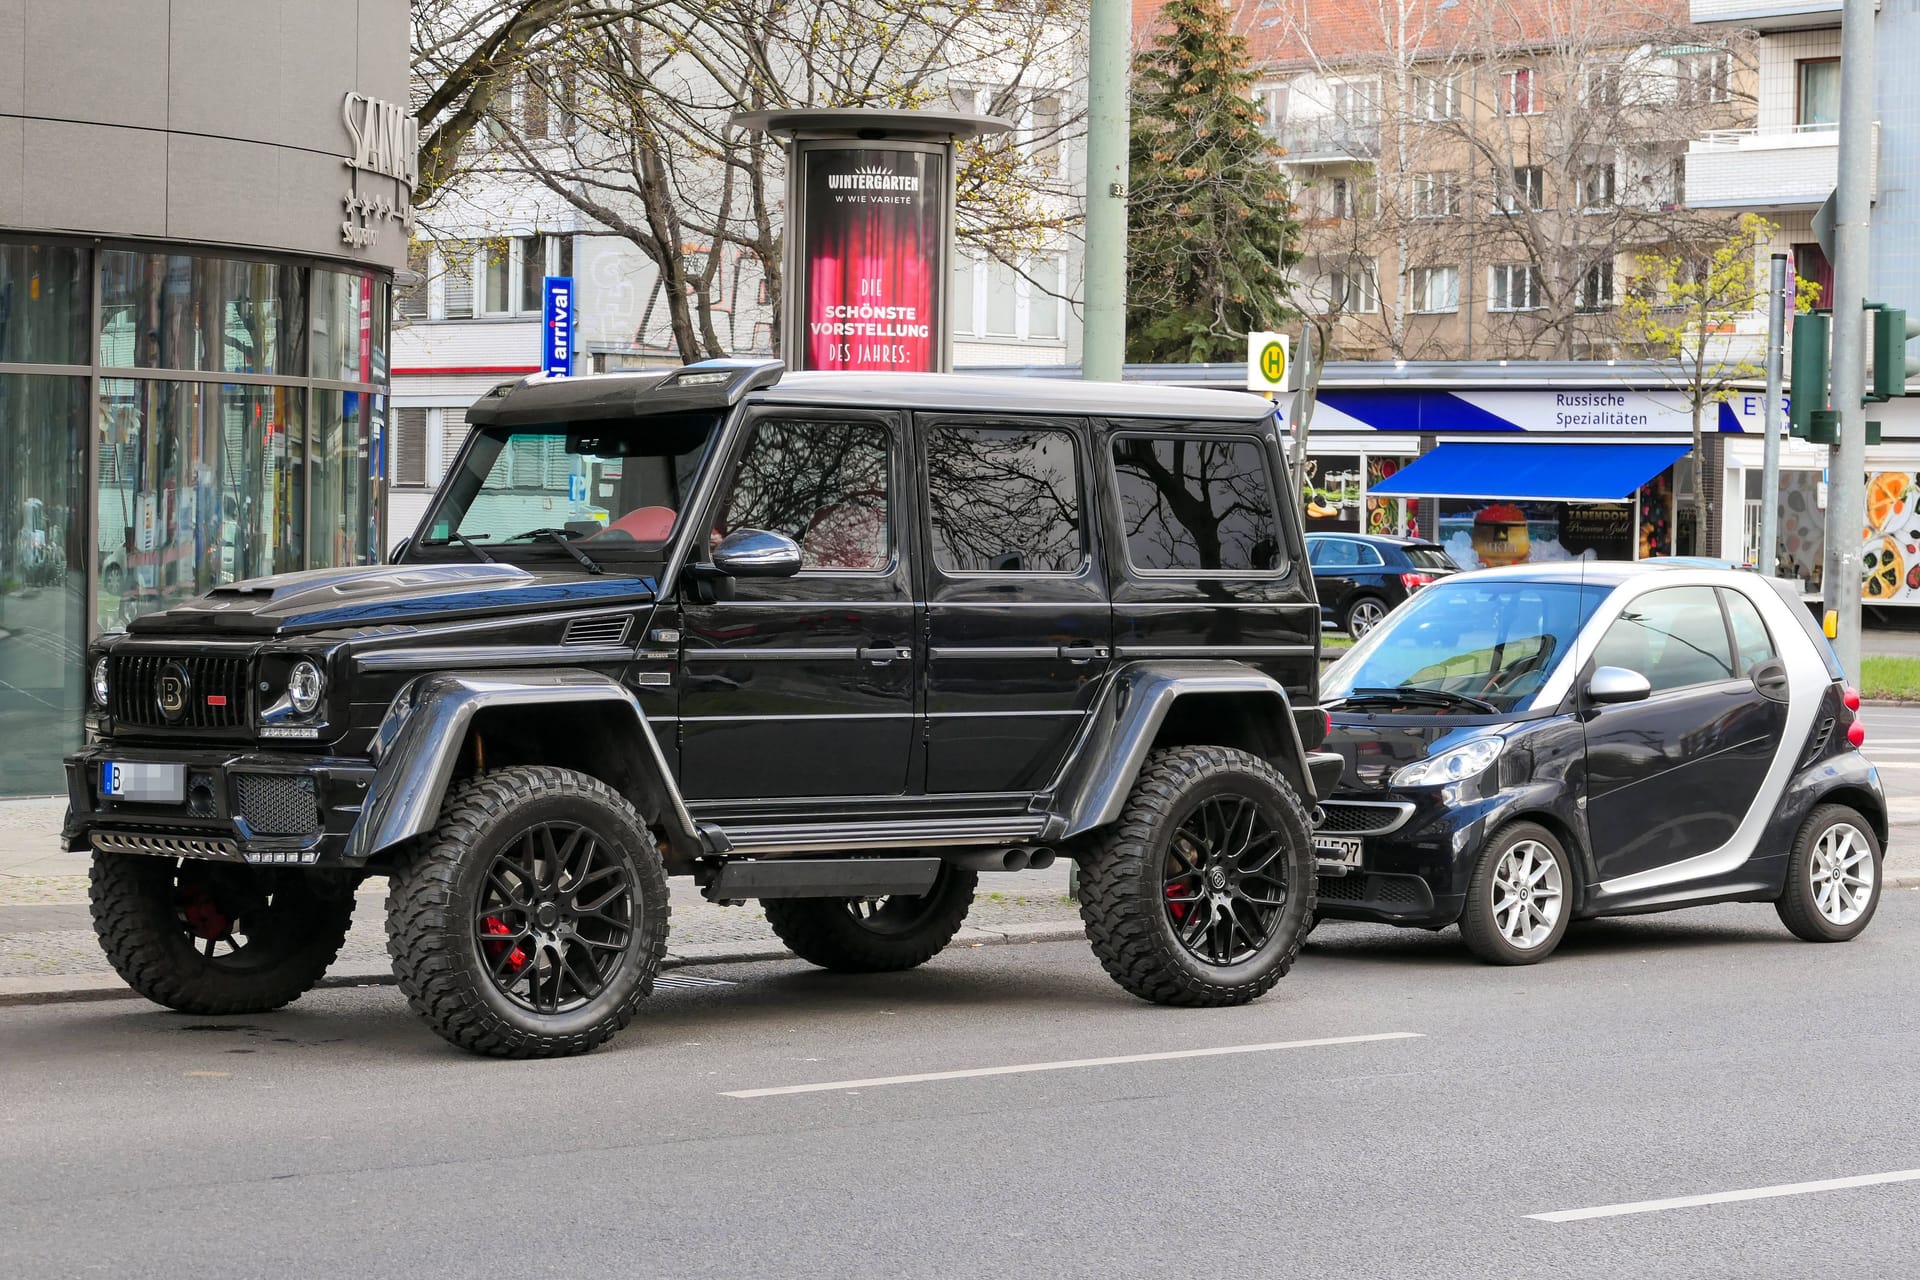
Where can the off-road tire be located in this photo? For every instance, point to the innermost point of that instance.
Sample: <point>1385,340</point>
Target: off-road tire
<point>1796,906</point>
<point>831,932</point>
<point>433,895</point>
<point>1479,926</point>
<point>292,935</point>
<point>1122,880</point>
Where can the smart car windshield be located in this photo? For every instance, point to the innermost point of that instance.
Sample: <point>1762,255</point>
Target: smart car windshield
<point>1464,645</point>
<point>614,487</point>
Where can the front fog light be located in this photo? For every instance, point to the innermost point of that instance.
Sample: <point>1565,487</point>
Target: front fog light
<point>1462,762</point>
<point>304,687</point>
<point>100,683</point>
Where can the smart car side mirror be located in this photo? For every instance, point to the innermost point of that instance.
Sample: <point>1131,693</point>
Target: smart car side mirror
<point>755,553</point>
<point>1609,685</point>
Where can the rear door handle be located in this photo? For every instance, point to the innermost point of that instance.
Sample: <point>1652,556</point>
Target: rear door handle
<point>881,657</point>
<point>1080,652</point>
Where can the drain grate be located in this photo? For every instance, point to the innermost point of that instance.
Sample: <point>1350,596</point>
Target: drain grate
<point>669,980</point>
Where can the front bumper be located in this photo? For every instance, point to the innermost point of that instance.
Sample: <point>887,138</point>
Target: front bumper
<point>1417,852</point>
<point>239,806</point>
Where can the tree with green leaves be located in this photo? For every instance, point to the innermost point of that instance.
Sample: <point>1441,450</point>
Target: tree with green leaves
<point>1210,227</point>
<point>1684,309</point>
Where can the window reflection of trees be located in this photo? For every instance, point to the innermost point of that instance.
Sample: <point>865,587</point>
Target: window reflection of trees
<point>1004,500</point>
<point>823,484</point>
<point>1196,504</point>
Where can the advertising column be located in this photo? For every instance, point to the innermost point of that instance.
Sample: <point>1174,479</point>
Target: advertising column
<point>873,259</point>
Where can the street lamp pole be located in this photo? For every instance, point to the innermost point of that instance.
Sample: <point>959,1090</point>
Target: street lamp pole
<point>1769,553</point>
<point>1104,340</point>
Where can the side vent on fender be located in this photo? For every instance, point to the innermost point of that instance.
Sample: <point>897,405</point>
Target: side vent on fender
<point>597,632</point>
<point>1818,744</point>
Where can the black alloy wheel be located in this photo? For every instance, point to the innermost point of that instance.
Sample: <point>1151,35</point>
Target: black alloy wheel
<point>875,935</point>
<point>212,938</point>
<point>1225,882</point>
<point>532,922</point>
<point>555,917</point>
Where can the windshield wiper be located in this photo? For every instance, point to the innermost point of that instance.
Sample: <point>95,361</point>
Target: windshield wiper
<point>479,552</point>
<point>564,540</point>
<point>1415,696</point>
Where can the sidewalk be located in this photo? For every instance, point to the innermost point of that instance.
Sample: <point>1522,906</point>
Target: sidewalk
<point>48,951</point>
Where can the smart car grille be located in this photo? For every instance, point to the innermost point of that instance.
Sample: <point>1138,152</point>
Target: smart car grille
<point>1359,819</point>
<point>1377,890</point>
<point>213,694</point>
<point>278,804</point>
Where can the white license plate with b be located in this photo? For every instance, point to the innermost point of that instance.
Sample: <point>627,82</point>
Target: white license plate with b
<point>143,782</point>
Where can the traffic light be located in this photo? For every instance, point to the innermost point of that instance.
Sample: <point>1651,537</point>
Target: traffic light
<point>1807,389</point>
<point>1892,366</point>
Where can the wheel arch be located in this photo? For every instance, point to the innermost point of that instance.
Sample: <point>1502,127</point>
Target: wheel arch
<point>1578,855</point>
<point>1861,800</point>
<point>444,726</point>
<point>1150,705</point>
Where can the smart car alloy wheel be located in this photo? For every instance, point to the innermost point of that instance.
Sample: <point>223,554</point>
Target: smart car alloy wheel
<point>1842,872</point>
<point>1527,894</point>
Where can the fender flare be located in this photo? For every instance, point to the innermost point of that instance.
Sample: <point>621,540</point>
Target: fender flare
<point>1124,722</point>
<point>418,744</point>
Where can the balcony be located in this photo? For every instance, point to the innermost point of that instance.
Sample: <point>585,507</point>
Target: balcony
<point>1782,169</point>
<point>1769,15</point>
<point>1329,140</point>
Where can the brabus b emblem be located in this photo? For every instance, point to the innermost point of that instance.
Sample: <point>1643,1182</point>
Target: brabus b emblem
<point>172,691</point>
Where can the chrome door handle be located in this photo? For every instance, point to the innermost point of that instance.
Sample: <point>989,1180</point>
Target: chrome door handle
<point>1080,652</point>
<point>881,657</point>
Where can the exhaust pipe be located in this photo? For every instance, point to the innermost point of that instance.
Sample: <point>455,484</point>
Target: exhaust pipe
<point>989,860</point>
<point>1040,859</point>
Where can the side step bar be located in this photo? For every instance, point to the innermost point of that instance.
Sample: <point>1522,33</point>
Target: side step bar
<point>823,878</point>
<point>1019,828</point>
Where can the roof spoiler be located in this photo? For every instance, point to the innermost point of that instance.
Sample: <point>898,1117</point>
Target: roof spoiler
<point>540,400</point>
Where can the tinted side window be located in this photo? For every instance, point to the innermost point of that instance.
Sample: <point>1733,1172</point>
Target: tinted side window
<point>1189,504</point>
<point>1430,558</point>
<point>1004,500</point>
<point>1368,557</point>
<point>1752,644</point>
<point>826,485</point>
<point>1337,553</point>
<point>1673,637</point>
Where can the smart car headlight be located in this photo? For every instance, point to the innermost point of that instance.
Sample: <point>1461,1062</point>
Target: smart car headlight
<point>1457,764</point>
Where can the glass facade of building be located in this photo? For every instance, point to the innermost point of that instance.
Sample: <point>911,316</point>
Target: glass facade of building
<point>169,421</point>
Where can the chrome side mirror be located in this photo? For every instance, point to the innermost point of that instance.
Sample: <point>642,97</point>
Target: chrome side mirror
<point>1609,685</point>
<point>755,553</point>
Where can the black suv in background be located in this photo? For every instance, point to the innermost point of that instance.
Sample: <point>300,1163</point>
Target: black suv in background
<point>1361,576</point>
<point>835,642</point>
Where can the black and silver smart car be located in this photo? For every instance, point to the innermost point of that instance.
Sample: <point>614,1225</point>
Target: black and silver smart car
<point>1531,745</point>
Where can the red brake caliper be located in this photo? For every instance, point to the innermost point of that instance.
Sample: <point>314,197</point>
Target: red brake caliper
<point>494,925</point>
<point>1176,906</point>
<point>202,914</point>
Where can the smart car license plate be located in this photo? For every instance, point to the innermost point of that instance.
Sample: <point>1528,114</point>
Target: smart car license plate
<point>146,783</point>
<point>1343,849</point>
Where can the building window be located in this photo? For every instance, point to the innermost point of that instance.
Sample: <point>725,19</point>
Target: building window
<point>1436,195</point>
<point>407,447</point>
<point>1513,287</point>
<point>1707,77</point>
<point>500,277</point>
<point>1337,199</point>
<point>1517,92</point>
<point>1596,288</point>
<point>1817,93</point>
<point>993,300</point>
<point>1355,102</point>
<point>1527,191</point>
<point>1436,98</point>
<point>1003,300</point>
<point>545,98</point>
<point>1272,103</point>
<point>1043,133</point>
<point>1436,289</point>
<point>1677,184</point>
<point>1353,290</point>
<point>1596,187</point>
<point>1602,86</point>
<point>1044,297</point>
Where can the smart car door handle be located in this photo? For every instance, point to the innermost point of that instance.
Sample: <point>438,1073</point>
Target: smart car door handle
<point>1081,652</point>
<point>881,657</point>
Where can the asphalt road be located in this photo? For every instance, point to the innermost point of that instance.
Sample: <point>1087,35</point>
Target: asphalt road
<point>1657,1057</point>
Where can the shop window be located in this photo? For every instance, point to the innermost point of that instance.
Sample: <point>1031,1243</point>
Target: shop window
<point>45,297</point>
<point>1193,505</point>
<point>1004,501</point>
<point>338,459</point>
<point>1330,492</point>
<point>349,324</point>
<point>219,315</point>
<point>43,559</point>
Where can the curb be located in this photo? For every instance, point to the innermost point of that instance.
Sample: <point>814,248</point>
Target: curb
<point>79,988</point>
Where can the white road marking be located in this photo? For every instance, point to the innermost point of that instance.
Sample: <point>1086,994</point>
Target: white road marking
<point>1896,764</point>
<point>1727,1197</point>
<point>1025,1067</point>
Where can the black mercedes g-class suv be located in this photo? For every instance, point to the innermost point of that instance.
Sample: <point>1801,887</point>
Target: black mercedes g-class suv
<point>835,642</point>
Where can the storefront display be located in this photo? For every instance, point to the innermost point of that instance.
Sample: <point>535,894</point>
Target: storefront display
<point>1332,493</point>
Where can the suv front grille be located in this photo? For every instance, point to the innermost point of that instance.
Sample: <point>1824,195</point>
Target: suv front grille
<point>278,804</point>
<point>214,696</point>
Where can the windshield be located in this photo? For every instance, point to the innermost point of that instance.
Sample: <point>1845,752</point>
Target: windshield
<point>613,488</point>
<point>1495,642</point>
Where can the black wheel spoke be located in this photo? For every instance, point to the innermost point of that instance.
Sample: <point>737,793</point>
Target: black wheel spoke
<point>562,900</point>
<point>1225,880</point>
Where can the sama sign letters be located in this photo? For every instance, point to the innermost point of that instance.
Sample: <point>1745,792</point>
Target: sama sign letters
<point>556,356</point>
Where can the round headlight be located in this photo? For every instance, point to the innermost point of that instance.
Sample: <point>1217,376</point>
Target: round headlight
<point>100,682</point>
<point>304,687</point>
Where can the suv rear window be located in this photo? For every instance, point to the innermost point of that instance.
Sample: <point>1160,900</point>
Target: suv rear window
<point>1004,500</point>
<point>1190,504</point>
<point>1431,558</point>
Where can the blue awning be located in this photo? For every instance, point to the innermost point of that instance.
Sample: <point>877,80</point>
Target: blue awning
<point>1531,472</point>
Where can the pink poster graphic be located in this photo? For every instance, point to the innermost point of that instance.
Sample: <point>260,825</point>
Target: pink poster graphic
<point>874,233</point>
